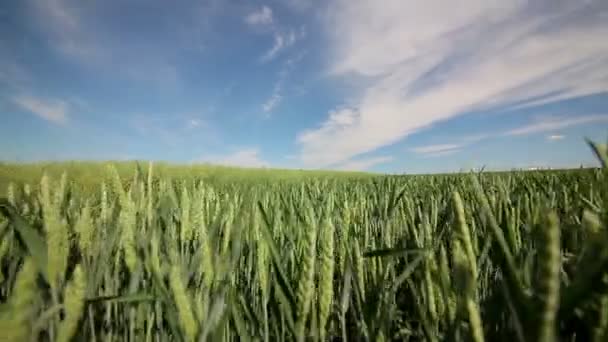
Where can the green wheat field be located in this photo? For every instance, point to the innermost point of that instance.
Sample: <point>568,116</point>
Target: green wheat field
<point>154,252</point>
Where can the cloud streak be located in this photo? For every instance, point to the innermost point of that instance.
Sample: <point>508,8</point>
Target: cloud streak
<point>246,157</point>
<point>264,21</point>
<point>273,101</point>
<point>55,111</point>
<point>542,125</point>
<point>92,35</point>
<point>553,124</point>
<point>555,137</point>
<point>277,92</point>
<point>363,164</point>
<point>282,41</point>
<point>427,65</point>
<point>438,150</point>
<point>171,129</point>
<point>62,23</point>
<point>194,123</point>
<point>263,16</point>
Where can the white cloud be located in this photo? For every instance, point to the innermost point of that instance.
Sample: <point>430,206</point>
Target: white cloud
<point>249,157</point>
<point>282,41</point>
<point>263,16</point>
<point>300,5</point>
<point>555,137</point>
<point>552,124</point>
<point>66,26</point>
<point>277,93</point>
<point>62,22</point>
<point>55,111</point>
<point>437,150</point>
<point>363,164</point>
<point>246,157</point>
<point>422,63</point>
<point>12,74</point>
<point>61,13</point>
<point>195,123</point>
<point>173,129</point>
<point>273,101</point>
<point>283,37</point>
<point>542,125</point>
<point>152,126</point>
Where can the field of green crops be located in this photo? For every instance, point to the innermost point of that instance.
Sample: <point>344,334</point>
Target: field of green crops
<point>145,253</point>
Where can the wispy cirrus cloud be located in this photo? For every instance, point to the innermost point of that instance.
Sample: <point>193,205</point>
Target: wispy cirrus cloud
<point>172,129</point>
<point>249,157</point>
<point>12,74</point>
<point>555,137</point>
<point>92,35</point>
<point>301,5</point>
<point>245,157</point>
<point>282,41</point>
<point>555,123</point>
<point>63,26</point>
<point>424,63</point>
<point>52,110</point>
<point>277,92</point>
<point>273,101</point>
<point>540,125</point>
<point>263,20</point>
<point>438,149</point>
<point>194,123</point>
<point>364,164</point>
<point>261,16</point>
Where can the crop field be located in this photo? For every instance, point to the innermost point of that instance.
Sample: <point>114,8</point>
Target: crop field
<point>146,252</point>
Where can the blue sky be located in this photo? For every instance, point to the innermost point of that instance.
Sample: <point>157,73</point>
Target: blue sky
<point>388,86</point>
